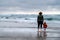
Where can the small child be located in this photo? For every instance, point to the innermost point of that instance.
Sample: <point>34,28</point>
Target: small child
<point>44,26</point>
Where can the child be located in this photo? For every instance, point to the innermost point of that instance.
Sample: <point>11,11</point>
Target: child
<point>44,26</point>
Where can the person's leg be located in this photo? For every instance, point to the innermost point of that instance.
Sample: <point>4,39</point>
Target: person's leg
<point>41,26</point>
<point>44,29</point>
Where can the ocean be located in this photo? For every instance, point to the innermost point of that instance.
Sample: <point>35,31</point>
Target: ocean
<point>27,21</point>
<point>27,17</point>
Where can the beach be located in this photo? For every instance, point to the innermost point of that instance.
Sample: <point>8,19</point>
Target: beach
<point>27,31</point>
<point>24,27</point>
<point>20,19</point>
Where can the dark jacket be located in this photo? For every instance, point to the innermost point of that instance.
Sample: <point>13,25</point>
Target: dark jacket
<point>40,18</point>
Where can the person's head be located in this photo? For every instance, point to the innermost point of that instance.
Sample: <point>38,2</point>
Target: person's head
<point>40,13</point>
<point>44,22</point>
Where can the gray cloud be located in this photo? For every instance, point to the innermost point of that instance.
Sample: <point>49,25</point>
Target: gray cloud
<point>29,5</point>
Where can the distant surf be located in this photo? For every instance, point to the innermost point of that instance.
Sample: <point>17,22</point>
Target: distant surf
<point>27,20</point>
<point>28,17</point>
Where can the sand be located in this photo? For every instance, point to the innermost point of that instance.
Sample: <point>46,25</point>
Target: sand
<point>27,31</point>
<point>28,34</point>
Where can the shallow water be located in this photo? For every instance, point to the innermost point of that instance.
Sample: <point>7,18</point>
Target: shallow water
<point>28,34</point>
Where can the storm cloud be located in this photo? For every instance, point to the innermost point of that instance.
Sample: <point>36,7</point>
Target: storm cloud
<point>29,5</point>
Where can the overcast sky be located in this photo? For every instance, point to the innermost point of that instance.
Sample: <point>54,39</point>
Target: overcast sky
<point>29,5</point>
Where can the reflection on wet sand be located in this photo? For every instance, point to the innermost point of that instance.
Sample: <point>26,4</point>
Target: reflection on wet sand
<point>41,35</point>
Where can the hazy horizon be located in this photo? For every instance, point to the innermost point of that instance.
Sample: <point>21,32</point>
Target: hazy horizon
<point>29,6</point>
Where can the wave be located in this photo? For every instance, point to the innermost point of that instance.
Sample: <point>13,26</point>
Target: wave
<point>29,17</point>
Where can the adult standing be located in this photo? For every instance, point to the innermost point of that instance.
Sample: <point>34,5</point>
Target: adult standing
<point>40,20</point>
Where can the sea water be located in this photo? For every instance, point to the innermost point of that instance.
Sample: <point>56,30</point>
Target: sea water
<point>27,17</point>
<point>12,23</point>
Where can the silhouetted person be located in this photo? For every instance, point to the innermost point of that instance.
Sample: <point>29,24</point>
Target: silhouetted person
<point>40,20</point>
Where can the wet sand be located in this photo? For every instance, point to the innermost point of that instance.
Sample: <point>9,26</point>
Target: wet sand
<point>28,34</point>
